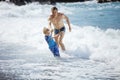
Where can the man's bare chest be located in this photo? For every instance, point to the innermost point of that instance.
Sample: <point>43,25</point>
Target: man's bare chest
<point>56,19</point>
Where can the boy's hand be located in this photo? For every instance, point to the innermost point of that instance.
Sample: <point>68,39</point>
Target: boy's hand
<point>51,30</point>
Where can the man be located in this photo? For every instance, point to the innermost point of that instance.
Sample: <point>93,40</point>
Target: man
<point>57,20</point>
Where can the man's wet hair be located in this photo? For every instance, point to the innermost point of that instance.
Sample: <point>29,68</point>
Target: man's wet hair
<point>54,8</point>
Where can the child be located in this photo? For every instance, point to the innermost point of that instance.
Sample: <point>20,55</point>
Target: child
<point>51,43</point>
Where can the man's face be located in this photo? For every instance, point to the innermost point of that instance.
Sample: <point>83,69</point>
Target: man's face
<point>54,11</point>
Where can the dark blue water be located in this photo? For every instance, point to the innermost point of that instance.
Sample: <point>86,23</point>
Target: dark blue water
<point>104,16</point>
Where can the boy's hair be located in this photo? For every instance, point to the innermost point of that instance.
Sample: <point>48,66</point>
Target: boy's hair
<point>45,30</point>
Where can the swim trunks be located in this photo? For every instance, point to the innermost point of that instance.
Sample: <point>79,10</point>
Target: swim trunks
<point>56,31</point>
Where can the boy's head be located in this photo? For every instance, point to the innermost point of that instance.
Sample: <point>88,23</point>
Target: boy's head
<point>46,30</point>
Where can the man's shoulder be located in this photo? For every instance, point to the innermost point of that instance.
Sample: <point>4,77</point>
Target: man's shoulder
<point>61,13</point>
<point>51,16</point>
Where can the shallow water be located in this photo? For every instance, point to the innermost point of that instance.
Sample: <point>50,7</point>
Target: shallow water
<point>29,64</point>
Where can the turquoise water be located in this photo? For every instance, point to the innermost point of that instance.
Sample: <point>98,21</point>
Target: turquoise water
<point>105,15</point>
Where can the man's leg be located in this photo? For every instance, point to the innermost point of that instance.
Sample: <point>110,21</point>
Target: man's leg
<point>60,40</point>
<point>56,40</point>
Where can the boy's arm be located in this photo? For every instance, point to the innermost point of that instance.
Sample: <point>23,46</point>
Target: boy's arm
<point>51,31</point>
<point>55,35</point>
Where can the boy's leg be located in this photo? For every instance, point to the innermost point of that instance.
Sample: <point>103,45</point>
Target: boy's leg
<point>56,51</point>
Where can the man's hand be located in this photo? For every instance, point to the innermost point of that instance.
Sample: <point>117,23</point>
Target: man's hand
<point>56,35</point>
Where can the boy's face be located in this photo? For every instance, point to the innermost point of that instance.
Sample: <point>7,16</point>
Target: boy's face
<point>47,31</point>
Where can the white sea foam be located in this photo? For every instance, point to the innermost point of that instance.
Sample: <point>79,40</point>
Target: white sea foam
<point>24,25</point>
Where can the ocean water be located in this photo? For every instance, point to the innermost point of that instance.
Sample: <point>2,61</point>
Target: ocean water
<point>93,50</point>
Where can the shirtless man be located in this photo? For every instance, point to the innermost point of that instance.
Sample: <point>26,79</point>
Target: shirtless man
<point>57,20</point>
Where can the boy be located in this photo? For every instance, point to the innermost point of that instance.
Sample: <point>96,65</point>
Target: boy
<point>51,43</point>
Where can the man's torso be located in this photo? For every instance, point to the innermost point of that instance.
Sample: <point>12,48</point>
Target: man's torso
<point>57,21</point>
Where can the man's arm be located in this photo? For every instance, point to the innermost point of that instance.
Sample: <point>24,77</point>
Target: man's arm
<point>49,19</point>
<point>49,26</point>
<point>68,22</point>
